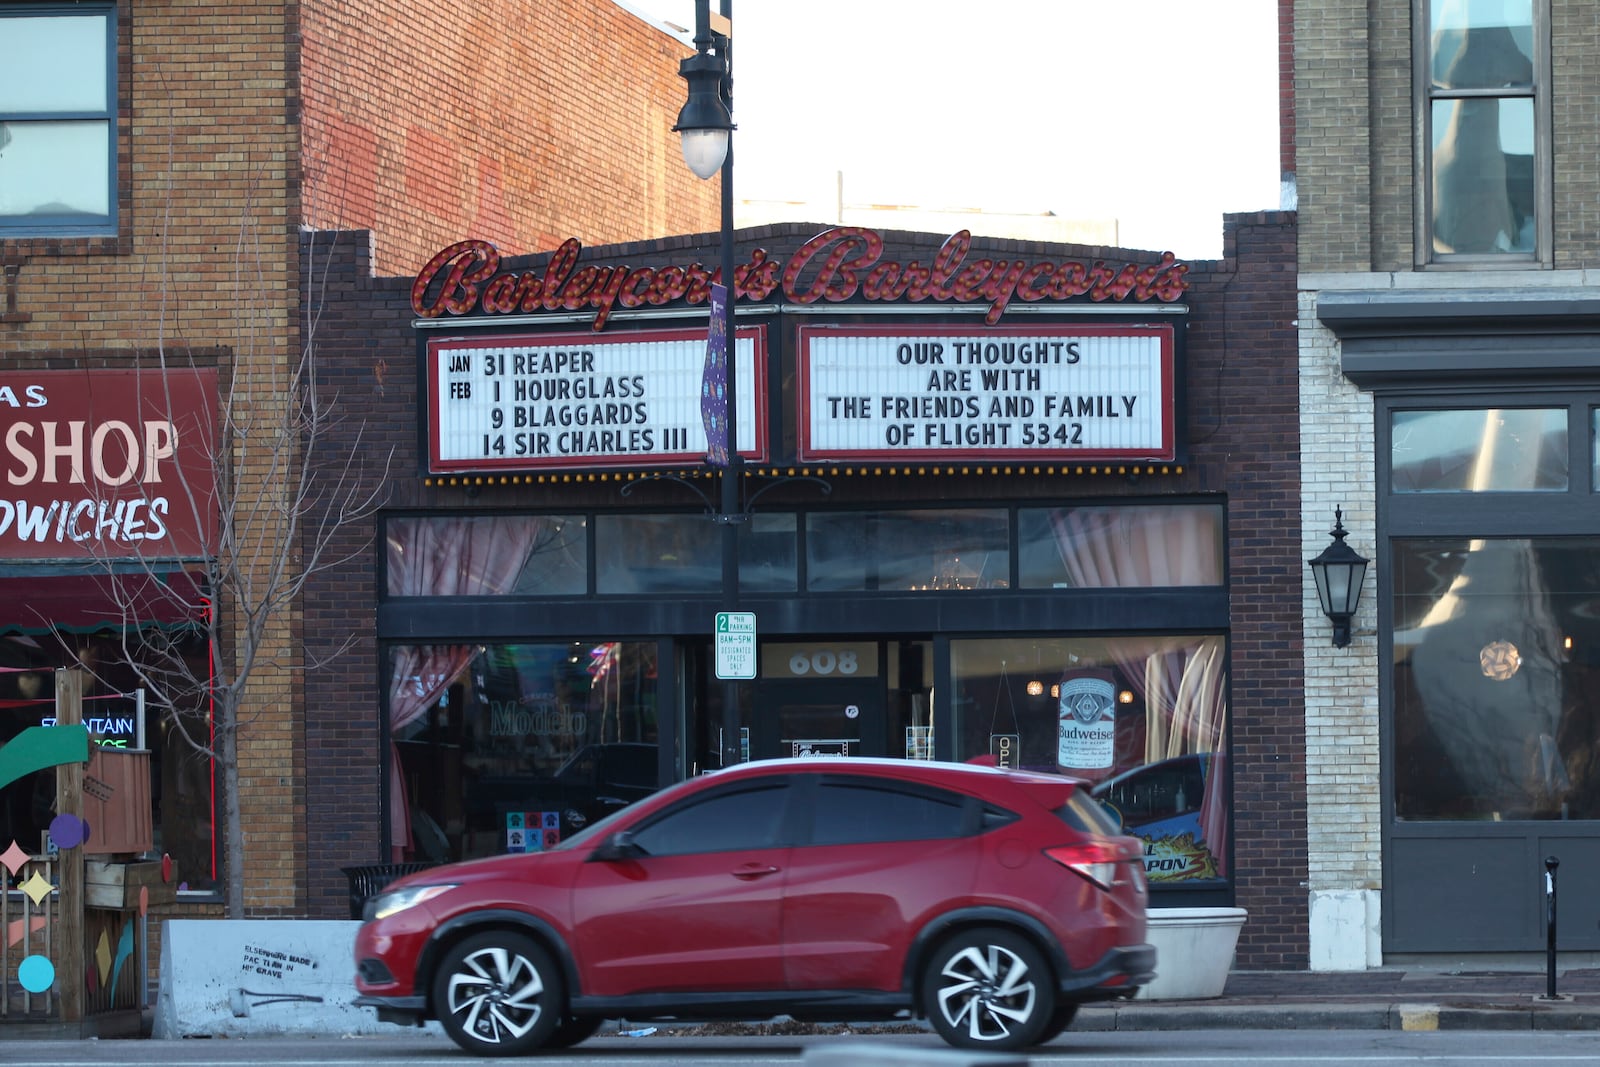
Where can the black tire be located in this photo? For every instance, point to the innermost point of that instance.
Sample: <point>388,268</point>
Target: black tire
<point>498,994</point>
<point>1065,1014</point>
<point>989,989</point>
<point>574,1032</point>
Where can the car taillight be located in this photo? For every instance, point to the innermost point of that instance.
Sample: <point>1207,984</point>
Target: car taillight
<point>1095,860</point>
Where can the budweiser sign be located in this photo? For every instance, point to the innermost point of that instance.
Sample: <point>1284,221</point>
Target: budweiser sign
<point>842,264</point>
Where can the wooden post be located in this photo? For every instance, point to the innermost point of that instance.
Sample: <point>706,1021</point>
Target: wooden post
<point>72,952</point>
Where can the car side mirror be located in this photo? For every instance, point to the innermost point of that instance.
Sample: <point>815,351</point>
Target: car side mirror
<point>616,847</point>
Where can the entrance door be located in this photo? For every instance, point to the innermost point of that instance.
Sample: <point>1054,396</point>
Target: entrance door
<point>815,717</point>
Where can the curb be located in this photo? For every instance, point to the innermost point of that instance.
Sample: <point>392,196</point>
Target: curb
<point>1421,1016</point>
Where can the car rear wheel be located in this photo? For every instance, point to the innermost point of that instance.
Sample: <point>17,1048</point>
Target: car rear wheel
<point>989,989</point>
<point>498,994</point>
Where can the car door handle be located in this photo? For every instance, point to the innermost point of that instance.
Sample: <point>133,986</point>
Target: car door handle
<point>753,870</point>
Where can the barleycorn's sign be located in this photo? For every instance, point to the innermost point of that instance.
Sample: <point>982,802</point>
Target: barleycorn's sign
<point>842,264</point>
<point>107,464</point>
<point>1047,392</point>
<point>573,400</point>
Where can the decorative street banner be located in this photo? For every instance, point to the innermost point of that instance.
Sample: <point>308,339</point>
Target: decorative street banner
<point>577,401</point>
<point>1020,393</point>
<point>714,381</point>
<point>108,464</point>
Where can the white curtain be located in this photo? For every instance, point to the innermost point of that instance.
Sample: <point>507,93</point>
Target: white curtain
<point>1182,680</point>
<point>439,557</point>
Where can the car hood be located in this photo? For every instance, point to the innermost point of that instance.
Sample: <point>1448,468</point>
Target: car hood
<point>479,870</point>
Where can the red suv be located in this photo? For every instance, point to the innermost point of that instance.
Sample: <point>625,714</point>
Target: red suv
<point>992,902</point>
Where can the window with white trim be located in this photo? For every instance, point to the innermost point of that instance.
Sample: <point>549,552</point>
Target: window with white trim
<point>58,130</point>
<point>1483,112</point>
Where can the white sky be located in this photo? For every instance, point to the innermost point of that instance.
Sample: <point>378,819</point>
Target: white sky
<point>1162,114</point>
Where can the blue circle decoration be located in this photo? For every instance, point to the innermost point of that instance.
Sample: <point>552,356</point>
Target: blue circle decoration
<point>36,974</point>
<point>68,831</point>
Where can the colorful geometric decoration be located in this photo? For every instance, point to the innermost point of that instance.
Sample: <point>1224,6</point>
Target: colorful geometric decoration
<point>37,888</point>
<point>68,831</point>
<point>36,973</point>
<point>19,927</point>
<point>13,858</point>
<point>102,956</point>
<point>124,950</point>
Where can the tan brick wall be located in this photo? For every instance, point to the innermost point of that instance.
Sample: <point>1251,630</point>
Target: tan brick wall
<point>1356,135</point>
<point>1575,107</point>
<point>1393,163</point>
<point>519,123</point>
<point>205,267</point>
<point>1332,123</point>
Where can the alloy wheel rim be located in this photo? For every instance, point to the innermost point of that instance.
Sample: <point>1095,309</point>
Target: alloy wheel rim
<point>495,995</point>
<point>987,991</point>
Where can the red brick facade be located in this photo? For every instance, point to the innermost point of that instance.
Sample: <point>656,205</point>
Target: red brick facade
<point>241,123</point>
<point>514,123</point>
<point>1240,403</point>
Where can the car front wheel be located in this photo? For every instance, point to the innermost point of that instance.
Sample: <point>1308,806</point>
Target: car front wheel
<point>498,994</point>
<point>989,989</point>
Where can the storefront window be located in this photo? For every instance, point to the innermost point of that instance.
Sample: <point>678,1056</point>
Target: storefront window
<point>1497,699</point>
<point>509,748</point>
<point>948,551</point>
<point>1144,718</point>
<point>182,786</point>
<point>1120,546</point>
<point>1489,450</point>
<point>487,555</point>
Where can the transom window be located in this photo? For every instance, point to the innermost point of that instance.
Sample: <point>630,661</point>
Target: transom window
<point>57,120</point>
<point>1484,116</point>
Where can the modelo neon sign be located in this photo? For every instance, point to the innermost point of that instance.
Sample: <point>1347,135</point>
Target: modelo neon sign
<point>837,265</point>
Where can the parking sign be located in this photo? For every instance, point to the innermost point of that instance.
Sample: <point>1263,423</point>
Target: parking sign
<point>736,644</point>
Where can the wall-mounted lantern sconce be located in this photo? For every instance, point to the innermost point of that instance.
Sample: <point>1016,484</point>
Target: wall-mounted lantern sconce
<point>1339,571</point>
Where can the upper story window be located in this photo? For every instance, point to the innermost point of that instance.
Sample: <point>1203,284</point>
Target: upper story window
<point>58,125</point>
<point>1484,117</point>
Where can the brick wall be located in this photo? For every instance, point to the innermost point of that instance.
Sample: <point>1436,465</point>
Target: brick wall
<point>1332,135</point>
<point>1242,408</point>
<point>1355,135</point>
<point>204,270</point>
<point>428,124</point>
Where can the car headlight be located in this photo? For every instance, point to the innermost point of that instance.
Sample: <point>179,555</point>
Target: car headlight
<point>398,900</point>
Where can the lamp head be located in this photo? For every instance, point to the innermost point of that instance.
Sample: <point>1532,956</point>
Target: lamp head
<point>1339,571</point>
<point>705,122</point>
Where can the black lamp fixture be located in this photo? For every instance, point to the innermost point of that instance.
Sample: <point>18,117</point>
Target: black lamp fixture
<point>706,126</point>
<point>1339,571</point>
<point>706,121</point>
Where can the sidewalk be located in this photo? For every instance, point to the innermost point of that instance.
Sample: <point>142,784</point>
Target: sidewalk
<point>1387,999</point>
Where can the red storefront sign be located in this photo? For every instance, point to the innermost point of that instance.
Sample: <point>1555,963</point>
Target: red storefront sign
<point>842,264</point>
<point>1048,393</point>
<point>107,464</point>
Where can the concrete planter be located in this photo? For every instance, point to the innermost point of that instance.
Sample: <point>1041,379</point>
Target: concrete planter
<point>1194,951</point>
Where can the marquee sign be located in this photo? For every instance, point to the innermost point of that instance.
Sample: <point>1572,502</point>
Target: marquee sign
<point>575,401</point>
<point>107,464</point>
<point>840,265</point>
<point>1046,393</point>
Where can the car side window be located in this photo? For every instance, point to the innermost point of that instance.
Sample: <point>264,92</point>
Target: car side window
<point>858,811</point>
<point>726,821</point>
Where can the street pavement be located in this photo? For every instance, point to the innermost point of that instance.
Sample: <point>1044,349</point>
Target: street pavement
<point>1382,999</point>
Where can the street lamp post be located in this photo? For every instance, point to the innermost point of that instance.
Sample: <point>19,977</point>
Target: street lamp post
<point>706,127</point>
